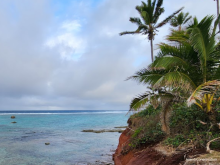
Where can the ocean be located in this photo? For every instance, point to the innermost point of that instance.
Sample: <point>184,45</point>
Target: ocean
<point>23,142</point>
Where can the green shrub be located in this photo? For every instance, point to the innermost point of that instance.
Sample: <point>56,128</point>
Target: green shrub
<point>150,131</point>
<point>185,127</point>
<point>185,119</point>
<point>152,135</point>
<point>147,112</point>
<point>175,141</point>
<point>137,132</point>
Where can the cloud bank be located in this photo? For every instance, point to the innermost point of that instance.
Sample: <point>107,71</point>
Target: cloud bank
<point>74,59</point>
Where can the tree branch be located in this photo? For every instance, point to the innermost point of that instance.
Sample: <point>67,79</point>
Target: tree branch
<point>208,144</point>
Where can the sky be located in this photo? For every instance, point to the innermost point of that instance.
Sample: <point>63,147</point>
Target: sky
<point>68,55</point>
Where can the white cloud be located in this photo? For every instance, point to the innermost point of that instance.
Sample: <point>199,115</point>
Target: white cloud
<point>71,26</point>
<point>67,42</point>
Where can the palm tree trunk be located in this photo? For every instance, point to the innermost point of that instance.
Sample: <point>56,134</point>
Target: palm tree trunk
<point>165,115</point>
<point>218,12</point>
<point>152,55</point>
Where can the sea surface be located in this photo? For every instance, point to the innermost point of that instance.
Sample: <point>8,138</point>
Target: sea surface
<point>23,143</point>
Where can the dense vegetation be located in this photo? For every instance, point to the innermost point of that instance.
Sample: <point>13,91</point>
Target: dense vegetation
<point>181,105</point>
<point>187,127</point>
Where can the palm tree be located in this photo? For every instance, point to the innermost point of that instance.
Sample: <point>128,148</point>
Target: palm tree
<point>203,41</point>
<point>156,98</point>
<point>192,62</point>
<point>180,19</point>
<point>147,24</point>
<point>169,70</point>
<point>181,67</point>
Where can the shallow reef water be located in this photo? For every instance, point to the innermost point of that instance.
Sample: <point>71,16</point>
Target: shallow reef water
<point>23,142</point>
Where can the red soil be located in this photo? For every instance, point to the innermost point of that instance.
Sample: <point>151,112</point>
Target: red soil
<point>146,156</point>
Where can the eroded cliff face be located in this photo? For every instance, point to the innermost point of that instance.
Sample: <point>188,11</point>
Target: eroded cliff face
<point>148,154</point>
<point>145,156</point>
<point>126,156</point>
<point>120,158</point>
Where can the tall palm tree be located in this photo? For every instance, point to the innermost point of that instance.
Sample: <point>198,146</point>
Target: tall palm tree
<point>180,19</point>
<point>147,24</point>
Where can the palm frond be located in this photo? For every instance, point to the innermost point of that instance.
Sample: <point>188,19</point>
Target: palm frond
<point>169,62</point>
<point>158,11</point>
<point>139,102</point>
<point>178,36</point>
<point>187,18</point>
<point>168,18</point>
<point>152,8</point>
<point>205,88</point>
<point>193,23</point>
<point>146,17</point>
<point>202,42</point>
<point>136,20</point>
<point>175,80</point>
<point>128,32</point>
<point>146,76</point>
<point>139,9</point>
<point>166,50</point>
<point>174,22</point>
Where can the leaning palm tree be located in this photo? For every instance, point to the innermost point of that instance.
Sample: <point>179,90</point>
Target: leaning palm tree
<point>179,20</point>
<point>156,98</point>
<point>147,24</point>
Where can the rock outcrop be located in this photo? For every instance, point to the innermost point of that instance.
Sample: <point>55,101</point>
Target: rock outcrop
<point>103,130</point>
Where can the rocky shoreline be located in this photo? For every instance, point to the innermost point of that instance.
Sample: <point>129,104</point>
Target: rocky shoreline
<point>103,130</point>
<point>116,129</point>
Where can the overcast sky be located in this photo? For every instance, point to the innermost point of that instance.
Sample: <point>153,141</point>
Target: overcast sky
<point>68,55</point>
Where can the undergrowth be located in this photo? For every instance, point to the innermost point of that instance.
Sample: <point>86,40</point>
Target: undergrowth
<point>149,130</point>
<point>188,126</point>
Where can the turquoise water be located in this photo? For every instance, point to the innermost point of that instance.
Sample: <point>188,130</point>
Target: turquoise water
<point>23,143</point>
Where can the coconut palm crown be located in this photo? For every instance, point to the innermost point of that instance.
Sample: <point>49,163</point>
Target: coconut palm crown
<point>190,61</point>
<point>180,19</point>
<point>147,24</point>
